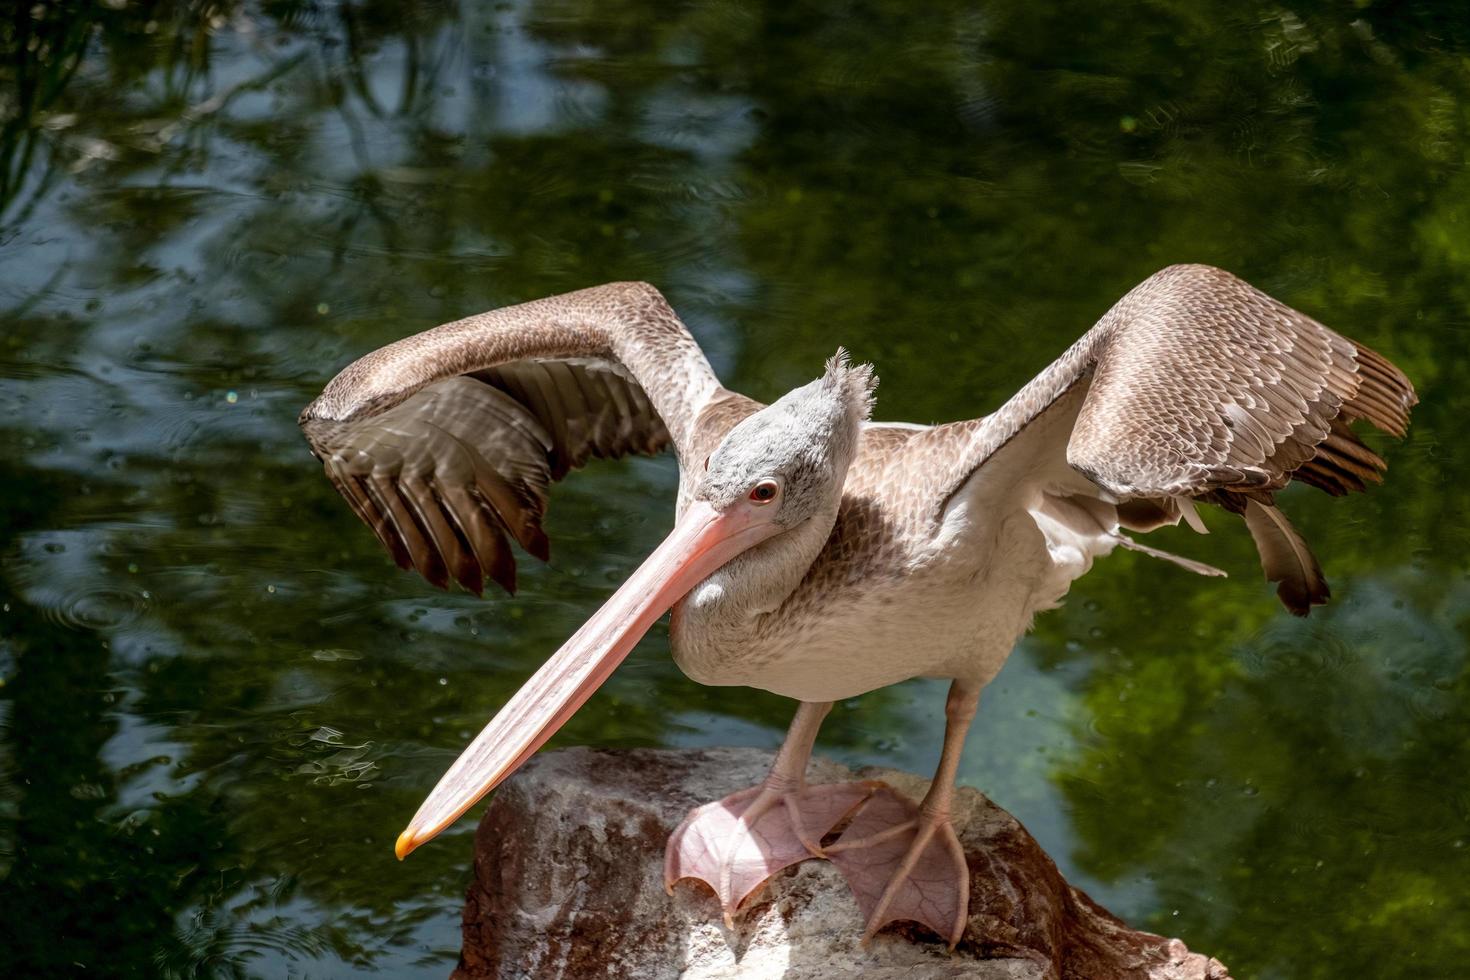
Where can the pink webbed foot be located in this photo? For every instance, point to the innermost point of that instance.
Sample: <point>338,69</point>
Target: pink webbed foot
<point>903,864</point>
<point>735,844</point>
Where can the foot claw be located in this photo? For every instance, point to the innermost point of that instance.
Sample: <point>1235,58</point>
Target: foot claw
<point>735,844</point>
<point>901,864</point>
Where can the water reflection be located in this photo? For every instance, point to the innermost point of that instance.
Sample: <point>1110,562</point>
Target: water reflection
<point>220,701</point>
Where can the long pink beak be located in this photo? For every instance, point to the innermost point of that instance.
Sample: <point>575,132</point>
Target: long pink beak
<point>702,541</point>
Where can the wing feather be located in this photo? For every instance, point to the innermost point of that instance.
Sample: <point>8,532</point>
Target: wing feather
<point>1200,387</point>
<point>446,443</point>
<point>1286,558</point>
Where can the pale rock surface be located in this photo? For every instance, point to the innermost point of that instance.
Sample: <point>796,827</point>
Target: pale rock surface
<point>569,886</point>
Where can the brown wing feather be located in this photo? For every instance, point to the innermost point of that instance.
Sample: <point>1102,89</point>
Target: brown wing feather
<point>1202,382</point>
<point>446,443</point>
<point>1197,385</point>
<point>443,477</point>
<point>1286,559</point>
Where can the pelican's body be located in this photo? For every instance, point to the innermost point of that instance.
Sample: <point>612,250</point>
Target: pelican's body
<point>819,555</point>
<point>973,572</point>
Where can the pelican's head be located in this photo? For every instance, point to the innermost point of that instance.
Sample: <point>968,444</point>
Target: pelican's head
<point>787,462</point>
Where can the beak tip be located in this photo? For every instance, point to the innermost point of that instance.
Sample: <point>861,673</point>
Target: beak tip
<point>405,844</point>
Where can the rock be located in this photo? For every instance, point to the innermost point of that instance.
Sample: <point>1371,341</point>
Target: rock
<point>569,884</point>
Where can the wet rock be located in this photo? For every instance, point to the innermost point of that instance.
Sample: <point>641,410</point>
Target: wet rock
<point>569,884</point>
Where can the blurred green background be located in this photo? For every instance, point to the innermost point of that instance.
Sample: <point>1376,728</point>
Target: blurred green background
<point>219,702</point>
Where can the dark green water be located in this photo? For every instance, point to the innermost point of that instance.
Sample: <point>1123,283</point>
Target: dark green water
<point>220,702</point>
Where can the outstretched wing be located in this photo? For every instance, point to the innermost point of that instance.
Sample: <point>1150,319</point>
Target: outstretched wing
<point>1197,386</point>
<point>446,443</point>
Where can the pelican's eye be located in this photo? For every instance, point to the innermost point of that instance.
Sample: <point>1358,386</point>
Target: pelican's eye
<point>765,491</point>
<point>706,464</point>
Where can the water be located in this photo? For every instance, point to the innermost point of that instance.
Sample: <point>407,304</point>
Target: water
<point>220,701</point>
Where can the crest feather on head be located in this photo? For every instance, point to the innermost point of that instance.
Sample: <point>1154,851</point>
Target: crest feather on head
<point>856,382</point>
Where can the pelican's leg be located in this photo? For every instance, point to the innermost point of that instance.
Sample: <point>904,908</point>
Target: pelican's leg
<point>735,844</point>
<point>906,862</point>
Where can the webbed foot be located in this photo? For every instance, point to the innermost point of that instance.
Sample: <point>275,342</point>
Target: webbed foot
<point>902,863</point>
<point>735,844</point>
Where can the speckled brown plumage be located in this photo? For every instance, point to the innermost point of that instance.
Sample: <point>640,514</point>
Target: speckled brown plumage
<point>1198,385</point>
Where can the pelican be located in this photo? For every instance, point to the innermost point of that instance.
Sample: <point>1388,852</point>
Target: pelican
<point>821,555</point>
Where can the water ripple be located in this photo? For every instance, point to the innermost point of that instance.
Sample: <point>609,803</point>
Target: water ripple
<point>104,608</point>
